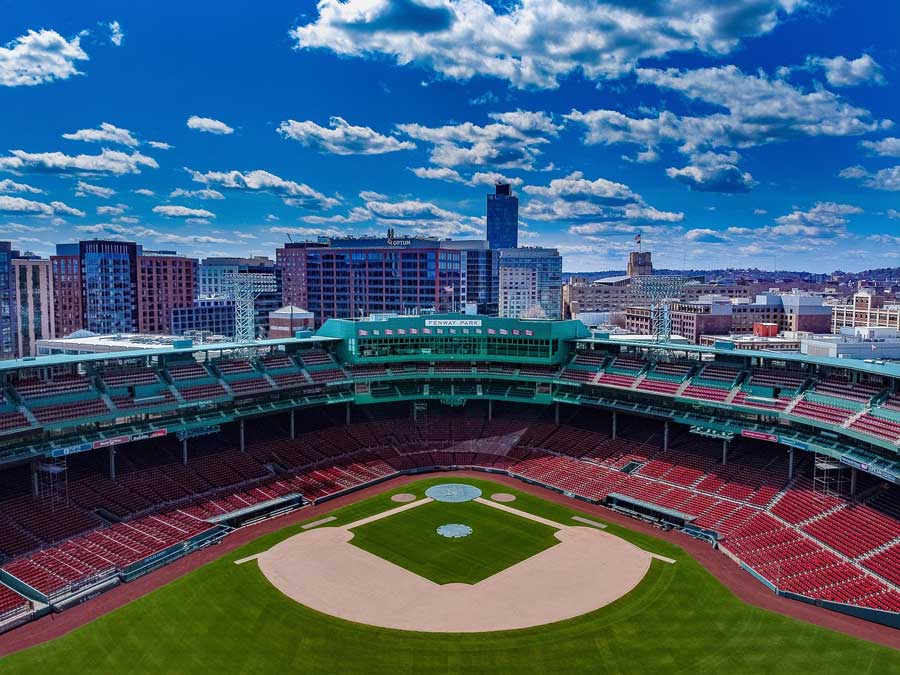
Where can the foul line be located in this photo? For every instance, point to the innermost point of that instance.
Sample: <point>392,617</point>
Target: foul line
<point>388,513</point>
<point>523,514</point>
<point>592,523</point>
<point>558,526</point>
<point>316,523</point>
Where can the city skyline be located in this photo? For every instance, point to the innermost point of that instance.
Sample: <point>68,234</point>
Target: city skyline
<point>764,137</point>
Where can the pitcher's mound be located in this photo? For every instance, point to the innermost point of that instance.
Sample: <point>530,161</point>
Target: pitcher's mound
<point>403,497</point>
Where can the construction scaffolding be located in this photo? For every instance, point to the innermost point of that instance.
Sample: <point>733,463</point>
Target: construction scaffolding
<point>659,291</point>
<point>831,477</point>
<point>53,480</point>
<point>245,288</point>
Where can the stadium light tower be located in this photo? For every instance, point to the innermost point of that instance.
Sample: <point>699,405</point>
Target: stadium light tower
<point>245,288</point>
<point>659,291</point>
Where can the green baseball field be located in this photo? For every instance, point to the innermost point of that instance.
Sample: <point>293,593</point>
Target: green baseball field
<point>227,617</point>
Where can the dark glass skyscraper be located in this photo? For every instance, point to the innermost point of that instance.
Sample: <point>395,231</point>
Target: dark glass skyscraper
<point>503,218</point>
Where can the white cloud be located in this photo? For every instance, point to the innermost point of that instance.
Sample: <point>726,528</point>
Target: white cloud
<point>884,179</point>
<point>714,172</point>
<point>209,125</point>
<point>438,173</point>
<point>144,192</point>
<point>893,214</point>
<point>121,232</point>
<point>85,189</point>
<point>356,215</point>
<point>307,232</point>
<point>292,193</point>
<point>759,212</point>
<point>116,36</point>
<point>159,145</point>
<point>592,207</point>
<point>205,193</point>
<point>108,161</point>
<point>886,147</point>
<point>824,220</point>
<point>116,210</point>
<point>448,175</point>
<point>8,185</point>
<point>491,178</point>
<point>106,133</point>
<point>60,207</point>
<point>510,142</point>
<point>758,110</point>
<point>533,43</point>
<point>705,236</point>
<point>575,187</point>
<point>174,211</point>
<point>843,72</point>
<point>30,207</point>
<point>38,57</point>
<point>342,138</point>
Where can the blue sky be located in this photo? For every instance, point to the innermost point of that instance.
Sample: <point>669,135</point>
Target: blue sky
<point>748,133</point>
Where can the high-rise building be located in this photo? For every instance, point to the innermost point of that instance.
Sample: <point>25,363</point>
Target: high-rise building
<point>66,269</point>
<point>7,301</point>
<point>530,283</point>
<point>166,282</point>
<point>109,286</point>
<point>503,218</point>
<point>34,307</point>
<point>478,265</point>
<point>351,277</point>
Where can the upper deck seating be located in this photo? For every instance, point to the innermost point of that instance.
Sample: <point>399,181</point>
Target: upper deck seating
<point>714,372</point>
<point>115,378</point>
<point>772,377</point>
<point>842,388</point>
<point>587,357</point>
<point>316,357</point>
<point>52,413</point>
<point>234,366</point>
<point>36,388</point>
<point>191,371</point>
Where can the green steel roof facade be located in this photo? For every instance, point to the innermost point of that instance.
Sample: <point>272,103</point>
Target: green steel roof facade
<point>68,359</point>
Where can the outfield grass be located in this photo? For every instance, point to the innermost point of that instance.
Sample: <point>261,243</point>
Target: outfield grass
<point>227,618</point>
<point>498,540</point>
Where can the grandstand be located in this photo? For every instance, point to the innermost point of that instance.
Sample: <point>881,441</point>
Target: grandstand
<point>114,464</point>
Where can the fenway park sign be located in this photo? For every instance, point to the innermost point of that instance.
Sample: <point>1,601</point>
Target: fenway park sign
<point>454,323</point>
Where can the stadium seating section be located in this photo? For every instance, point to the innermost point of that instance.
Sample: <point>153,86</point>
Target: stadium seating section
<point>822,546</point>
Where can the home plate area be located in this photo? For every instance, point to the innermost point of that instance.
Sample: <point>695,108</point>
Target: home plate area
<point>502,568</point>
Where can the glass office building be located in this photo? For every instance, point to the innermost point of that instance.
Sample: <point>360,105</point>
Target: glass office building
<point>530,281</point>
<point>347,278</point>
<point>503,218</point>
<point>109,276</point>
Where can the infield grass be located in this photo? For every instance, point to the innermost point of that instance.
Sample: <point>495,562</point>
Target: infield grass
<point>227,618</point>
<point>498,540</point>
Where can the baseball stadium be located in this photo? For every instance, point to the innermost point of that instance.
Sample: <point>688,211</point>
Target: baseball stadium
<point>449,493</point>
